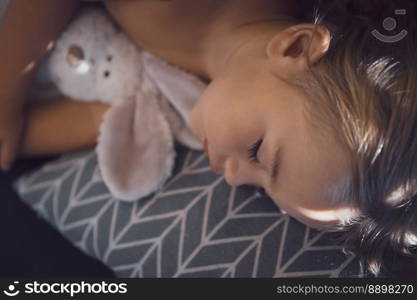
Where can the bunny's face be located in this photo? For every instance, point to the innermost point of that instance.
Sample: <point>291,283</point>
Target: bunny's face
<point>119,73</point>
<point>73,69</point>
<point>73,63</point>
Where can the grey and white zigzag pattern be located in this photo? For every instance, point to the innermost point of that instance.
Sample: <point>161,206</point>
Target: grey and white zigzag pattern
<point>196,226</point>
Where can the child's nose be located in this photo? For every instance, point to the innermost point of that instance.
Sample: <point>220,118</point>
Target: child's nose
<point>238,172</point>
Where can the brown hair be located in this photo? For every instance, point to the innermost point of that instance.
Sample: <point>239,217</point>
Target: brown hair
<point>365,91</point>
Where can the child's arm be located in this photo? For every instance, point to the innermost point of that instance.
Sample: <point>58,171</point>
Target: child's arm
<point>61,127</point>
<point>26,30</point>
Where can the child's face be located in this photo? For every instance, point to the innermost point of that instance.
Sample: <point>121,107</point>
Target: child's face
<point>248,104</point>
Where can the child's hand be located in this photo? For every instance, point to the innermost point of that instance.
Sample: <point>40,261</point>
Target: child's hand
<point>11,125</point>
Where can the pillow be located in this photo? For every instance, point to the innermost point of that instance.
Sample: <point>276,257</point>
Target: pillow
<point>195,226</point>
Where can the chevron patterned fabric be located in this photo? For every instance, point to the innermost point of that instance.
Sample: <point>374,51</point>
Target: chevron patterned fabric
<point>196,226</point>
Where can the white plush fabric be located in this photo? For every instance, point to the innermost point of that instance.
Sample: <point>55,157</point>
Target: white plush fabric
<point>151,101</point>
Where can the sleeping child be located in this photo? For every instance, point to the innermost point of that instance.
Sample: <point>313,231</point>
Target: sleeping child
<point>315,102</point>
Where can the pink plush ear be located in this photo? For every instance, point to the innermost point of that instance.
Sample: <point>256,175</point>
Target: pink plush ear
<point>135,147</point>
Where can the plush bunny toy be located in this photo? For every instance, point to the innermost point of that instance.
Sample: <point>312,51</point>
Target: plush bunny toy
<point>151,102</point>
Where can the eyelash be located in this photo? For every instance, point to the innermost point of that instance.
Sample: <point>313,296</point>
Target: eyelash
<point>253,151</point>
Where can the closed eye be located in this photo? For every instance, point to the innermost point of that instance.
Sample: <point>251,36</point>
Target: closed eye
<point>253,151</point>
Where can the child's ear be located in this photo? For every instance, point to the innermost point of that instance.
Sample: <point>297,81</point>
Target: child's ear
<point>298,46</point>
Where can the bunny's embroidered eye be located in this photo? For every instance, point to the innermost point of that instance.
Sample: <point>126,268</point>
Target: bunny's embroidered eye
<point>110,58</point>
<point>106,73</point>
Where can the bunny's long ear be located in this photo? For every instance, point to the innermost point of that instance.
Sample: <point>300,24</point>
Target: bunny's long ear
<point>135,148</point>
<point>180,88</point>
<point>179,128</point>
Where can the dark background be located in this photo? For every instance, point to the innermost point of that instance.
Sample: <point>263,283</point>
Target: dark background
<point>29,247</point>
